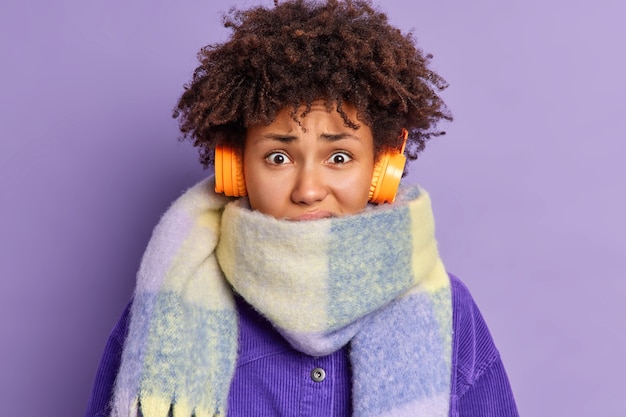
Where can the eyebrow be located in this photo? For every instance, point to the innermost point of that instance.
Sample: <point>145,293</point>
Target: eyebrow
<point>279,137</point>
<point>332,137</point>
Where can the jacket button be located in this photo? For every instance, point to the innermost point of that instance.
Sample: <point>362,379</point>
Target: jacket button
<point>318,375</point>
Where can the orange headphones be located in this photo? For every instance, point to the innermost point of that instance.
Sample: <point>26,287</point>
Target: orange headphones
<point>385,180</point>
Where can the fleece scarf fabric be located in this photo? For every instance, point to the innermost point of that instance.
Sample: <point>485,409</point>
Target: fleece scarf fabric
<point>373,280</point>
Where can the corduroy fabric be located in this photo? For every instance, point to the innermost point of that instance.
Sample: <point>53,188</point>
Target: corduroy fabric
<point>262,351</point>
<point>478,366</point>
<point>102,391</point>
<point>264,354</point>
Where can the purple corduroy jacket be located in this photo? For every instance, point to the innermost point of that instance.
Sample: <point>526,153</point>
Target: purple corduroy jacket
<point>272,379</point>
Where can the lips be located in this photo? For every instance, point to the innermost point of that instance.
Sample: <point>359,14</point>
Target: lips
<point>314,215</point>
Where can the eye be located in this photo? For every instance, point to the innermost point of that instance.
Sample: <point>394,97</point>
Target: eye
<point>339,158</point>
<point>277,158</point>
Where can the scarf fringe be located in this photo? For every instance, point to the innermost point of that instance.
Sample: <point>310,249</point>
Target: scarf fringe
<point>159,407</point>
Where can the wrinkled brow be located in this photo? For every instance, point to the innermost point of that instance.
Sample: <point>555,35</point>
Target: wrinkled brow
<point>332,137</point>
<point>279,137</point>
<point>329,137</point>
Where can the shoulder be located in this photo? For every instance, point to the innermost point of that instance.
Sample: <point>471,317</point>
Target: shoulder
<point>480,385</point>
<point>473,348</point>
<point>104,381</point>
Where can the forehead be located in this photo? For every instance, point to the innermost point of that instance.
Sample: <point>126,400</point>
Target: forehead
<point>318,116</point>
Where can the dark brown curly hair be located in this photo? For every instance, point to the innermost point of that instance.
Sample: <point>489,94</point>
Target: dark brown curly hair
<point>301,51</point>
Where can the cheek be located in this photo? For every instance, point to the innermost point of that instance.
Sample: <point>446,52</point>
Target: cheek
<point>354,195</point>
<point>264,194</point>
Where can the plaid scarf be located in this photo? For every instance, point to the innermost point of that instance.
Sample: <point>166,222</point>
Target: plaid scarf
<point>374,280</point>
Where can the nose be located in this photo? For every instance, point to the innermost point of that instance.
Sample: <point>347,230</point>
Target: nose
<point>310,187</point>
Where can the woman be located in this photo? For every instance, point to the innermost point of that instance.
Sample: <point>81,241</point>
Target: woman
<point>311,288</point>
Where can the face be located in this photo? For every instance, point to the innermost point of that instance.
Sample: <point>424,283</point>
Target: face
<point>320,169</point>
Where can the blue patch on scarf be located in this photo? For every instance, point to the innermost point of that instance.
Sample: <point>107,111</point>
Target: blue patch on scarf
<point>404,365</point>
<point>186,354</point>
<point>369,263</point>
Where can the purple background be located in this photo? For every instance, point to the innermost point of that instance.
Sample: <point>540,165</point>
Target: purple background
<point>528,185</point>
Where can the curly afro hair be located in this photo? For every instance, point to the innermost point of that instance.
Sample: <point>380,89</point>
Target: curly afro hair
<point>301,51</point>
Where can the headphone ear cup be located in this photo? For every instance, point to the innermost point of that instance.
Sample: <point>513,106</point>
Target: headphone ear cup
<point>229,172</point>
<point>386,178</point>
<point>387,173</point>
